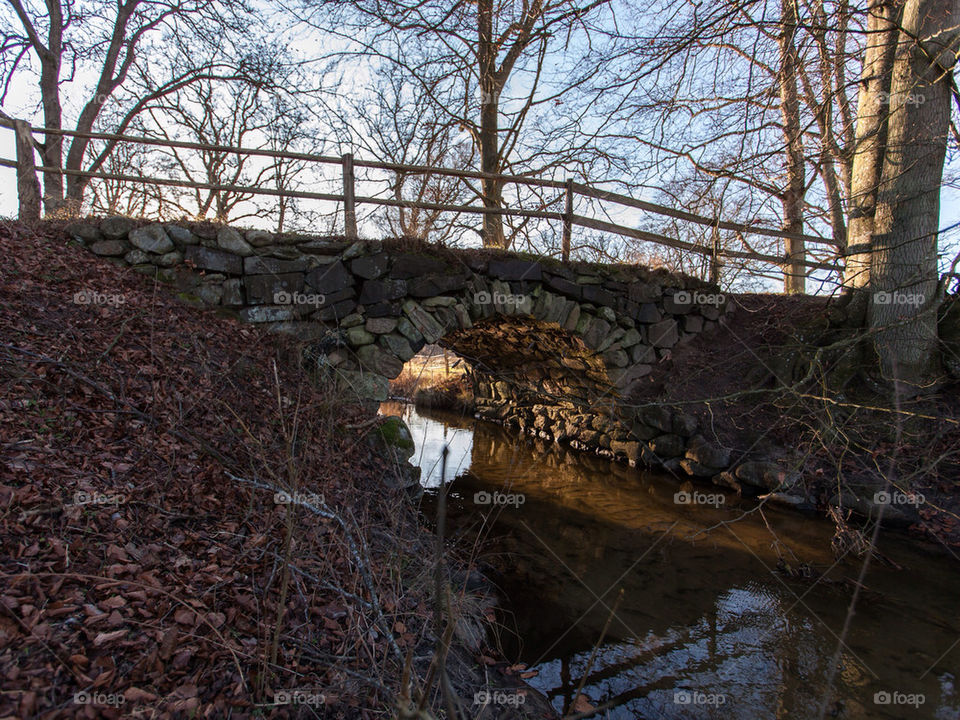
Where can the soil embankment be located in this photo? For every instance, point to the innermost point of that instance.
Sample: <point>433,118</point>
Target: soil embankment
<point>194,525</point>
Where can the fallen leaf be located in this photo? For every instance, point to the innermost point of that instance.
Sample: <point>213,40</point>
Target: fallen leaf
<point>104,638</point>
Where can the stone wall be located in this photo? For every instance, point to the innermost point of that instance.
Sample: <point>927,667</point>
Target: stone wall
<point>553,348</point>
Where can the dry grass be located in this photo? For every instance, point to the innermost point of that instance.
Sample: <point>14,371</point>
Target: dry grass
<point>431,367</point>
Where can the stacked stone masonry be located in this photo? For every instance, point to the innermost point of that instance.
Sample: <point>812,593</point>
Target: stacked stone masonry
<point>553,349</point>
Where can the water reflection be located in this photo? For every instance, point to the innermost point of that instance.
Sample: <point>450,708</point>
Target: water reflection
<point>707,625</point>
<point>430,436</point>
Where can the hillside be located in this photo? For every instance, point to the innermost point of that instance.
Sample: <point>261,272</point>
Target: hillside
<point>149,566</point>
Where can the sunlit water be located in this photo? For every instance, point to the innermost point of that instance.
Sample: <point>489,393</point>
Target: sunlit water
<point>707,625</point>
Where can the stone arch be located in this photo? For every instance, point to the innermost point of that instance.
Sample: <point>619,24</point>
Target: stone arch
<point>590,349</point>
<point>366,307</point>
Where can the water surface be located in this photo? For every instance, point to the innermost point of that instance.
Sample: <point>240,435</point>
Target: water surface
<point>725,612</point>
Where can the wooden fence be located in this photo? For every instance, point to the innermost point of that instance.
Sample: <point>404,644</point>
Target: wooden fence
<point>793,262</point>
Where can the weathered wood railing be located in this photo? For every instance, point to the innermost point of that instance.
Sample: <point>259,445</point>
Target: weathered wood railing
<point>30,199</point>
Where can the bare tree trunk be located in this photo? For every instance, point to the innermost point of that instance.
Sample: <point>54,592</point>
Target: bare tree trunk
<point>489,126</point>
<point>794,278</point>
<point>870,140</point>
<point>904,262</point>
<point>830,94</point>
<point>50,58</point>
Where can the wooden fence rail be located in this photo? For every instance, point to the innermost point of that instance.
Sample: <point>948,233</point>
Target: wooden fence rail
<point>29,196</point>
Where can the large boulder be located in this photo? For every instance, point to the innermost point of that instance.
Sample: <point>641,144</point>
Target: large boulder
<point>668,445</point>
<point>370,267</point>
<point>378,291</point>
<point>381,361</point>
<point>363,385</point>
<point>83,232</point>
<point>232,241</point>
<point>707,454</point>
<point>330,278</point>
<point>664,333</point>
<point>151,238</point>
<point>413,266</point>
<point>427,286</point>
<point>398,345</point>
<point>206,258</point>
<point>109,248</point>
<point>116,228</point>
<point>256,265</point>
<point>423,321</point>
<point>181,235</point>
<point>282,289</point>
<point>515,270</point>
<point>394,434</point>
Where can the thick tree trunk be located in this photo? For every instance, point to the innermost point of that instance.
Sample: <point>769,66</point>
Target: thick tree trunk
<point>110,79</point>
<point>903,265</point>
<point>794,277</point>
<point>489,126</point>
<point>77,184</point>
<point>53,144</point>
<point>870,139</point>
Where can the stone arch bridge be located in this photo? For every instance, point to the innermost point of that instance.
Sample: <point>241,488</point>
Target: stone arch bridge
<point>553,348</point>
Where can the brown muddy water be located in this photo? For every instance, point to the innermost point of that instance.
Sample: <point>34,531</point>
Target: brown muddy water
<point>726,611</point>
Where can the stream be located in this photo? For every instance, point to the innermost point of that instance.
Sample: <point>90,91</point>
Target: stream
<point>707,606</point>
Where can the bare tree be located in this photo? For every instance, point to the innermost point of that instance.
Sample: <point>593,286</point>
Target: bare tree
<point>288,129</point>
<point>903,267</point>
<point>261,114</point>
<point>703,195</point>
<point>795,164</point>
<point>212,114</point>
<point>394,121</point>
<point>871,137</point>
<point>68,39</point>
<point>482,67</point>
<point>754,96</point>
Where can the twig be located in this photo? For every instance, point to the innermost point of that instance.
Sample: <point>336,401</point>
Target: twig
<point>322,510</point>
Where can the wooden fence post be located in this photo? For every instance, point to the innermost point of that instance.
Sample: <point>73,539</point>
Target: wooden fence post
<point>28,186</point>
<point>349,198</point>
<point>715,257</point>
<point>567,222</point>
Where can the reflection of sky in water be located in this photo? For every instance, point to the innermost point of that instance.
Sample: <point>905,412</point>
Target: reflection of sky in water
<point>430,436</point>
<point>737,653</point>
